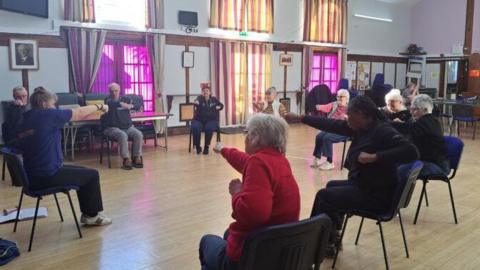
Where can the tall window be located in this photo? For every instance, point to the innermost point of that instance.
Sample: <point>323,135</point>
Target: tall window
<point>242,15</point>
<point>129,65</point>
<point>324,71</point>
<point>125,12</point>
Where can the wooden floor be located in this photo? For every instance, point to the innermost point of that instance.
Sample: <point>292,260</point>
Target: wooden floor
<point>160,213</point>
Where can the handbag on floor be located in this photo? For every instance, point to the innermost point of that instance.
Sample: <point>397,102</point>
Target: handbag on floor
<point>8,251</point>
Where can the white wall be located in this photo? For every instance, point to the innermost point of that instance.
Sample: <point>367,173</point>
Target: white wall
<point>377,37</point>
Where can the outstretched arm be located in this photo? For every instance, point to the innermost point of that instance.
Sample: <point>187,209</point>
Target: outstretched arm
<point>235,158</point>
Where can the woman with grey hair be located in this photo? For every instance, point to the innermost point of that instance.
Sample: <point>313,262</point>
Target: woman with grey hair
<point>427,135</point>
<point>324,140</point>
<point>267,195</point>
<point>395,108</point>
<point>270,105</point>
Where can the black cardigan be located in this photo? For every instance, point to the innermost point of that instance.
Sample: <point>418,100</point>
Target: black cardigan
<point>207,110</point>
<point>391,148</point>
<point>116,115</point>
<point>13,121</point>
<point>427,134</point>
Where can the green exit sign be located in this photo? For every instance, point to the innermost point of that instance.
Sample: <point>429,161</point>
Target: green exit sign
<point>243,34</point>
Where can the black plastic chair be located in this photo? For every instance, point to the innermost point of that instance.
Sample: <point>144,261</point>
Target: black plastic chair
<point>464,113</point>
<point>343,152</point>
<point>401,199</point>
<point>67,99</point>
<point>293,246</point>
<point>454,153</point>
<point>18,172</point>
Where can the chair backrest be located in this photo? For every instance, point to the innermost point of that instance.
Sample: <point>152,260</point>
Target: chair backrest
<point>95,96</point>
<point>292,246</point>
<point>454,150</point>
<point>137,101</point>
<point>466,110</point>
<point>404,189</point>
<point>66,99</point>
<point>15,167</point>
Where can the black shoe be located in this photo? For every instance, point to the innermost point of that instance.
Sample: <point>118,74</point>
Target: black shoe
<point>205,150</point>
<point>199,150</point>
<point>127,165</point>
<point>137,162</point>
<point>330,251</point>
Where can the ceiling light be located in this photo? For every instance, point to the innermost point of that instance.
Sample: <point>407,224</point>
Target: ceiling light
<point>373,18</point>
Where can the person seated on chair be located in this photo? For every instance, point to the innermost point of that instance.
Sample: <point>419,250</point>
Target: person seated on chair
<point>270,105</point>
<point>206,117</point>
<point>119,127</point>
<point>427,134</point>
<point>40,141</point>
<point>325,140</point>
<point>14,114</point>
<point>267,195</point>
<point>395,108</point>
<point>409,93</point>
<point>372,160</point>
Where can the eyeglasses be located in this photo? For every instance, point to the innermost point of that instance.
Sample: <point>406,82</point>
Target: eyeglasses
<point>341,96</point>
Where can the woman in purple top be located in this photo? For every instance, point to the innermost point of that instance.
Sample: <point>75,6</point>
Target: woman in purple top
<point>40,141</point>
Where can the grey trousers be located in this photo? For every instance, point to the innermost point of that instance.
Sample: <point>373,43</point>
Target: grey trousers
<point>121,137</point>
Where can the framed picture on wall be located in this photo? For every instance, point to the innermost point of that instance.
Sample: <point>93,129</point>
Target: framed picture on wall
<point>187,111</point>
<point>188,59</point>
<point>286,59</point>
<point>23,54</point>
<point>286,103</point>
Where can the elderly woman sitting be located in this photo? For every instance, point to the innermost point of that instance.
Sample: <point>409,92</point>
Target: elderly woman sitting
<point>267,195</point>
<point>395,108</point>
<point>427,134</point>
<point>271,106</point>
<point>325,140</point>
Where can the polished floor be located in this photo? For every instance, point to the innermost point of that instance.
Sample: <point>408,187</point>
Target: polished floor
<point>160,213</point>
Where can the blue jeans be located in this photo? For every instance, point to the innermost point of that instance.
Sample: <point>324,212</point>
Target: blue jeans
<point>324,142</point>
<point>208,126</point>
<point>213,253</point>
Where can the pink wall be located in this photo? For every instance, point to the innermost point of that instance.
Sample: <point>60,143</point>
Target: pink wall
<point>437,25</point>
<point>476,28</point>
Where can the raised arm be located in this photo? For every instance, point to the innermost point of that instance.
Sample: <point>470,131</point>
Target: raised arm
<point>235,158</point>
<point>84,111</point>
<point>339,127</point>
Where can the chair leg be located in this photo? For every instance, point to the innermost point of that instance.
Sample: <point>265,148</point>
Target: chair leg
<point>101,151</point>
<point>34,223</point>
<point>74,214</point>
<point>190,141</point>
<point>420,202</point>
<point>109,148</point>
<point>383,244</point>
<point>343,154</point>
<point>403,234</point>
<point>3,168</point>
<point>359,230</point>
<point>451,199</point>
<point>341,239</point>
<point>474,129</point>
<point>458,129</point>
<point>426,198</point>
<point>58,206</point>
<point>18,211</point>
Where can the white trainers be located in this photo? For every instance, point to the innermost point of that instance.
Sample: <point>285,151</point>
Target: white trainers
<point>316,163</point>
<point>98,220</point>
<point>326,166</point>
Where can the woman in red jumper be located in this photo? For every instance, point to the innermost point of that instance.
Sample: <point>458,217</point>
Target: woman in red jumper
<point>267,195</point>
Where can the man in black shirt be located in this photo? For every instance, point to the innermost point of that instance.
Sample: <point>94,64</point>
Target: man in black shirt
<point>14,114</point>
<point>118,125</point>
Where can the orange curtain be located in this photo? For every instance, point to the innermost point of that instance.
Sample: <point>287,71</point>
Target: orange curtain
<point>260,16</point>
<point>227,14</point>
<point>79,10</point>
<point>325,21</point>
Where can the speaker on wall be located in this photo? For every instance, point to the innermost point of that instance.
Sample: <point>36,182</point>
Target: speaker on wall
<point>188,18</point>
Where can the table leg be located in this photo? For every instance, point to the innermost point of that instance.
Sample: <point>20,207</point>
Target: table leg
<point>65,140</point>
<point>165,130</point>
<point>74,135</point>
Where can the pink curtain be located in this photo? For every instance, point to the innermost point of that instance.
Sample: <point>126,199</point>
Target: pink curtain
<point>85,47</point>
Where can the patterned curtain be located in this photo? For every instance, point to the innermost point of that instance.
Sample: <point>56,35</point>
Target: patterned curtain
<point>259,73</point>
<point>260,16</point>
<point>227,14</point>
<point>325,21</point>
<point>85,50</point>
<point>307,67</point>
<point>156,49</point>
<point>155,11</point>
<point>79,10</point>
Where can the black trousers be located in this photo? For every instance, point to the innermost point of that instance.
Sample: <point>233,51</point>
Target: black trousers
<point>342,196</point>
<point>89,193</point>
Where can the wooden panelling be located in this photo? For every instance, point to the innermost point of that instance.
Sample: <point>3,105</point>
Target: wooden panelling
<point>376,58</point>
<point>287,47</point>
<point>467,47</point>
<point>44,41</point>
<point>187,40</point>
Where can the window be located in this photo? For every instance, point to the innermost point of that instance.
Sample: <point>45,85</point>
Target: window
<point>121,12</point>
<point>324,71</point>
<point>129,65</point>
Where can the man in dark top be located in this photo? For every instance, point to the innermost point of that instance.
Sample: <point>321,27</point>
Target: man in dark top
<point>206,117</point>
<point>14,114</point>
<point>427,134</point>
<point>118,126</point>
<point>372,160</point>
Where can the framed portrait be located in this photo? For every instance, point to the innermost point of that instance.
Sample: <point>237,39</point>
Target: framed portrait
<point>286,103</point>
<point>187,111</point>
<point>286,59</point>
<point>188,59</point>
<point>23,54</point>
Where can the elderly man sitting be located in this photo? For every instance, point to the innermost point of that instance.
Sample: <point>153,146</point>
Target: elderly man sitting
<point>267,195</point>
<point>395,108</point>
<point>427,135</point>
<point>270,105</point>
<point>14,114</point>
<point>118,126</point>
